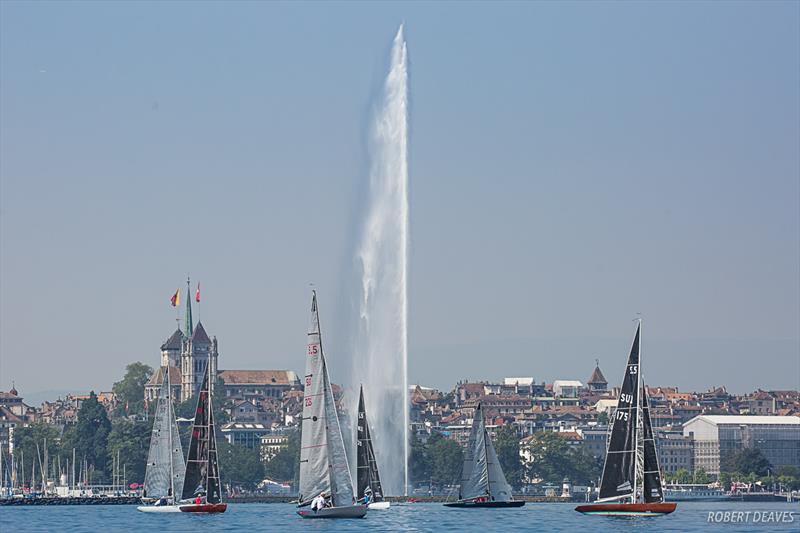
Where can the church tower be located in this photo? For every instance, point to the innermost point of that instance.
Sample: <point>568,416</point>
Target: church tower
<point>198,350</point>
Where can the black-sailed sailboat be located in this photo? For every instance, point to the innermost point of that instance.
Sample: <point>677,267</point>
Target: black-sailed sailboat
<point>631,482</point>
<point>326,488</point>
<point>368,479</point>
<point>201,485</point>
<point>483,483</point>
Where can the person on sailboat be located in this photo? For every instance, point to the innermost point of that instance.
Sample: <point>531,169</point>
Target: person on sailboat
<point>367,496</point>
<point>318,502</point>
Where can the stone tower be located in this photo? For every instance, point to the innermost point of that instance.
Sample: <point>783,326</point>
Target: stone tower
<point>197,351</point>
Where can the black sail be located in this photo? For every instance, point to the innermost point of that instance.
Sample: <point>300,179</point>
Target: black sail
<point>202,470</point>
<point>653,491</point>
<point>620,467</point>
<point>367,466</point>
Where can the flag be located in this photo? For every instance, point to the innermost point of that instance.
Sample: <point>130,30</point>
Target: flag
<point>197,294</point>
<point>176,298</point>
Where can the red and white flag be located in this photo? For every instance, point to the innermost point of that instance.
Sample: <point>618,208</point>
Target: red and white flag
<point>197,294</point>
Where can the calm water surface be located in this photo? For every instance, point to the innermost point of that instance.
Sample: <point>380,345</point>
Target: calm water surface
<point>689,517</point>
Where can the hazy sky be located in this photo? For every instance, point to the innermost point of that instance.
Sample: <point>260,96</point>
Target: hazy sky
<point>571,165</point>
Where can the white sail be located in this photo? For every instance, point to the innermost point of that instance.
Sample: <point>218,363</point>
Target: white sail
<point>499,489</point>
<point>323,461</point>
<point>478,483</point>
<point>165,466</point>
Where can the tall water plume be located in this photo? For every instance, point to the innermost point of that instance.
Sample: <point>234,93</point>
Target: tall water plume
<point>381,339</point>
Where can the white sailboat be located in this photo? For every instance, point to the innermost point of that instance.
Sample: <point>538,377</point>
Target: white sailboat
<point>165,473</point>
<point>326,488</point>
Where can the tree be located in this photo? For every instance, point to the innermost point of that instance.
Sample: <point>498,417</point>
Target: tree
<point>602,418</point>
<point>746,461</point>
<point>26,440</point>
<point>552,460</point>
<point>89,437</point>
<point>507,448</point>
<point>419,465</point>
<point>445,456</point>
<point>132,441</point>
<point>130,391</point>
<point>284,465</point>
<point>682,476</point>
<point>700,476</point>
<point>239,466</point>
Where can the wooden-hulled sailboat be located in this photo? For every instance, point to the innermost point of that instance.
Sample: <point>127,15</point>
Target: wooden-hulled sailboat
<point>483,483</point>
<point>368,480</point>
<point>163,479</point>
<point>202,468</point>
<point>324,471</point>
<point>631,482</point>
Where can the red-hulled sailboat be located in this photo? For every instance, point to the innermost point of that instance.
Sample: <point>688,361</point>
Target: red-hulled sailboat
<point>631,483</point>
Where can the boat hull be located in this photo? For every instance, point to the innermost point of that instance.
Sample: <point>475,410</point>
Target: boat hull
<point>204,508</point>
<point>483,505</point>
<point>627,509</point>
<point>379,505</point>
<point>352,511</point>
<point>159,508</point>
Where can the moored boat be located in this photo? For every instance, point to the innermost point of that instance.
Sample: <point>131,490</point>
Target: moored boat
<point>631,483</point>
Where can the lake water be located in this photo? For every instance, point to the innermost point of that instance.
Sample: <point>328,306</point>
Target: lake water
<point>400,518</point>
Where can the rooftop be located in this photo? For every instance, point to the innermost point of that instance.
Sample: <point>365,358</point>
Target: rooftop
<point>747,419</point>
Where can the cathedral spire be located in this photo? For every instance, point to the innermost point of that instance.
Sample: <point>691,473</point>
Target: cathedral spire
<point>188,326</point>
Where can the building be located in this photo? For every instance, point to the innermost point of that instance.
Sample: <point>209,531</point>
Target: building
<point>597,382</point>
<point>255,385</point>
<point>272,443</point>
<point>715,436</point>
<point>244,434</point>
<point>675,452</point>
<point>563,388</point>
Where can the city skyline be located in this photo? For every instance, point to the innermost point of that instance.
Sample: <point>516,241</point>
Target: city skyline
<point>571,166</point>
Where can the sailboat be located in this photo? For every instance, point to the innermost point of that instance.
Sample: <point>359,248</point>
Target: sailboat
<point>368,480</point>
<point>631,482</point>
<point>324,471</point>
<point>202,468</point>
<point>163,479</point>
<point>483,483</point>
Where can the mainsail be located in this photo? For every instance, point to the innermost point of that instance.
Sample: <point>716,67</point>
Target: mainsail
<point>367,467</point>
<point>653,490</point>
<point>202,469</point>
<point>323,459</point>
<point>482,475</point>
<point>165,467</point>
<point>619,471</point>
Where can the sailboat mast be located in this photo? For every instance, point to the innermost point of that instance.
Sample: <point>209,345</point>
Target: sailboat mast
<point>323,372</point>
<point>638,426</point>
<point>170,418</point>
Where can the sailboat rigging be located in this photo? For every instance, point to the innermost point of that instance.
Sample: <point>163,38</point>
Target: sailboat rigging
<point>326,487</point>
<point>631,482</point>
<point>368,479</point>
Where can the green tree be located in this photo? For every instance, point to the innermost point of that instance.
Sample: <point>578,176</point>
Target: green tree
<point>552,460</point>
<point>700,476</point>
<point>446,457</point>
<point>746,461</point>
<point>26,440</point>
<point>602,418</point>
<point>89,437</point>
<point>419,465</point>
<point>682,476</point>
<point>130,391</point>
<point>507,447</point>
<point>284,465</point>
<point>131,440</point>
<point>239,466</point>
